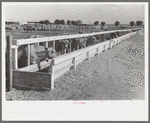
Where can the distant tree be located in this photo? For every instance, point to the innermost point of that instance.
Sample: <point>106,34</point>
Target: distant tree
<point>68,22</point>
<point>73,22</point>
<point>62,22</point>
<point>103,23</point>
<point>132,23</point>
<point>102,26</point>
<point>46,22</point>
<point>79,22</point>
<point>139,23</point>
<point>96,23</point>
<point>57,21</point>
<point>41,22</point>
<point>117,23</point>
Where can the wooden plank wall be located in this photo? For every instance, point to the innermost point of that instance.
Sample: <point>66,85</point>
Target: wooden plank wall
<point>37,80</point>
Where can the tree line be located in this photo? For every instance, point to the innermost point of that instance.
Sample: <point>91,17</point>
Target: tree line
<point>62,22</point>
<point>117,23</point>
<point>72,22</point>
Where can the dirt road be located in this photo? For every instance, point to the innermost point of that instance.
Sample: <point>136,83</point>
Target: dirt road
<point>116,74</point>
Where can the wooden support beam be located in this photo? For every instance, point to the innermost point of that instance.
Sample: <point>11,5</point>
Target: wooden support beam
<point>28,61</point>
<point>116,35</point>
<point>54,44</point>
<point>74,63</point>
<point>88,55</point>
<point>46,45</point>
<point>97,50</point>
<point>117,41</point>
<point>9,73</point>
<point>64,51</point>
<point>15,57</point>
<point>70,47</point>
<point>109,45</point>
<point>104,47</point>
<point>51,71</point>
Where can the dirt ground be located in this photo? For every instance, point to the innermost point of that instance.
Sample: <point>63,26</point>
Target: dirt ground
<point>116,74</point>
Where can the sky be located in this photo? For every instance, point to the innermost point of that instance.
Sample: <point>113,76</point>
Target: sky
<point>87,12</point>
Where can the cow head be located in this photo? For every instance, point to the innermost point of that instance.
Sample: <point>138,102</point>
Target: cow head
<point>97,37</point>
<point>50,53</point>
<point>82,42</point>
<point>34,36</point>
<point>118,33</point>
<point>65,43</point>
<point>80,32</point>
<point>93,40</point>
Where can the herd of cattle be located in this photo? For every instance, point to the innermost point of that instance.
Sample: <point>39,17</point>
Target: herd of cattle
<point>39,52</point>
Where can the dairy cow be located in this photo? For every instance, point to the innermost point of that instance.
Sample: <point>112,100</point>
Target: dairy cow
<point>64,46</point>
<point>102,37</point>
<point>118,33</point>
<point>92,40</point>
<point>113,35</point>
<point>38,53</point>
<point>74,44</point>
<point>98,38</point>
<point>82,42</point>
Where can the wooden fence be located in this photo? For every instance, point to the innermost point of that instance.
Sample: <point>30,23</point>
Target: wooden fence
<point>29,77</point>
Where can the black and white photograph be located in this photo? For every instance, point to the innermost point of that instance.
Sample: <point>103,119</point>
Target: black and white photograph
<point>75,53</point>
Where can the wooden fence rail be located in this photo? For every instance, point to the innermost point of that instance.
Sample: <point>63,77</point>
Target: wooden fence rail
<point>30,78</point>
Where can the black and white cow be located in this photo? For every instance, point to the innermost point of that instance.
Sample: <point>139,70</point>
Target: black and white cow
<point>118,33</point>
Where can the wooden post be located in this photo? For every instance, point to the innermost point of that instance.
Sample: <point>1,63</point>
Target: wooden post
<point>15,57</point>
<point>64,51</point>
<point>74,62</point>
<point>9,72</point>
<point>28,61</point>
<point>104,47</point>
<point>51,70</point>
<point>46,45</point>
<point>70,47</point>
<point>88,55</point>
<point>54,44</point>
<point>116,35</point>
<point>97,51</point>
<point>114,43</point>
<point>110,44</point>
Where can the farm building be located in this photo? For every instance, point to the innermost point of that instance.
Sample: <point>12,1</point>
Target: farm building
<point>12,23</point>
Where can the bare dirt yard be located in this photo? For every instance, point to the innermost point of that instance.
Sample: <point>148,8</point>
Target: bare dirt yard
<point>116,74</point>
